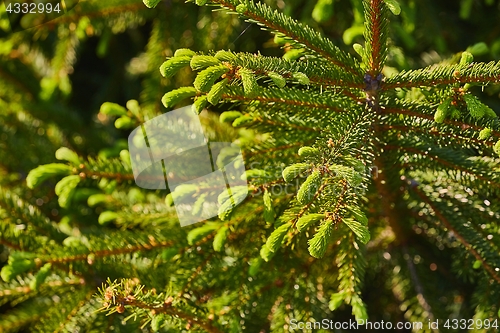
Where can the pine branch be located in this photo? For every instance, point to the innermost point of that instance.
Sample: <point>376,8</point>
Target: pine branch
<point>433,76</point>
<point>389,180</point>
<point>95,10</point>
<point>294,98</point>
<point>302,34</point>
<point>111,244</point>
<point>318,70</point>
<point>120,294</point>
<point>375,35</point>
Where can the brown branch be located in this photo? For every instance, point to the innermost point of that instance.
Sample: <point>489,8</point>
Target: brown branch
<point>283,101</point>
<point>26,289</point>
<point>104,253</point>
<point>109,175</point>
<point>376,61</point>
<point>10,245</point>
<point>278,124</point>
<point>335,83</point>
<point>320,80</point>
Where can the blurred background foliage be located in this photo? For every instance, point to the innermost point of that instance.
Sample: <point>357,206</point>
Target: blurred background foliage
<point>54,77</point>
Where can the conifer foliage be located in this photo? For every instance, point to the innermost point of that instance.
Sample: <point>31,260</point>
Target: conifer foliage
<point>373,195</point>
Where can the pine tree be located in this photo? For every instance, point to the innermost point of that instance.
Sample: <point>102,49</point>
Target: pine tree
<point>373,195</point>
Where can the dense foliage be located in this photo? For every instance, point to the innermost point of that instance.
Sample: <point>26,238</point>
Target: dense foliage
<point>370,135</point>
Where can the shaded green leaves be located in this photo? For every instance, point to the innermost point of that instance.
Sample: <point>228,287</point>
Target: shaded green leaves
<point>276,238</point>
<point>478,49</point>
<point>183,191</point>
<point>198,204</point>
<point>358,214</point>
<point>353,177</point>
<point>477,109</point>
<point>255,265</point>
<point>255,173</point>
<point>96,199</point>
<point>157,322</point>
